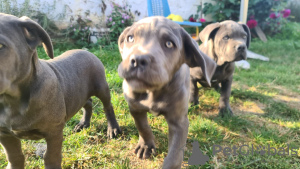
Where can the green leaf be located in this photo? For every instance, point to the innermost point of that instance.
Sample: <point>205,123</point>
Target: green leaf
<point>215,8</point>
<point>199,8</point>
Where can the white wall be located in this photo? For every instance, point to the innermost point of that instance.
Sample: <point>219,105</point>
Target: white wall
<point>184,8</point>
<point>77,7</point>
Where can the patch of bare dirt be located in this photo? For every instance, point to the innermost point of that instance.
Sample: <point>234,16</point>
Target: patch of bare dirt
<point>290,98</point>
<point>284,95</point>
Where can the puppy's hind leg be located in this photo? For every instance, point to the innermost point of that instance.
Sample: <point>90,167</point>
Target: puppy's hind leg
<point>86,118</point>
<point>14,155</point>
<point>104,95</point>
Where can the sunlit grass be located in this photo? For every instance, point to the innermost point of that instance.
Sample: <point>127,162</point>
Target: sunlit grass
<point>265,101</point>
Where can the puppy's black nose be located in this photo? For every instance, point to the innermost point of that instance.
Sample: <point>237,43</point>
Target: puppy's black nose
<point>139,61</point>
<point>241,48</point>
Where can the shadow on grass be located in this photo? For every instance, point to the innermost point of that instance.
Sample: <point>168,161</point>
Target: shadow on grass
<point>240,126</point>
<point>275,110</point>
<point>257,132</point>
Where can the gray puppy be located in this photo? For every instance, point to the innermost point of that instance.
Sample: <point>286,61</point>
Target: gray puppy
<point>37,97</point>
<point>155,52</point>
<point>225,43</point>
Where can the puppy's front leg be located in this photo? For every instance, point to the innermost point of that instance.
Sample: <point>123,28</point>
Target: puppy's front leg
<point>53,155</point>
<point>194,92</point>
<point>14,155</point>
<point>217,87</point>
<point>224,107</point>
<point>146,145</point>
<point>178,131</point>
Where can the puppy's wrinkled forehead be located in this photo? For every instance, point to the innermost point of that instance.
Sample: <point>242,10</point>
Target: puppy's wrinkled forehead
<point>7,22</point>
<point>231,27</point>
<point>8,29</point>
<point>9,26</point>
<point>160,27</point>
<point>154,22</point>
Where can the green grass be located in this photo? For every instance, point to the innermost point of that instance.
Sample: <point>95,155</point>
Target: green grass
<point>265,100</point>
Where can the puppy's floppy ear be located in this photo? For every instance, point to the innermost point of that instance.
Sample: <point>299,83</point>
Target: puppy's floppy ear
<point>194,57</point>
<point>36,35</point>
<point>247,30</point>
<point>209,31</point>
<point>122,38</point>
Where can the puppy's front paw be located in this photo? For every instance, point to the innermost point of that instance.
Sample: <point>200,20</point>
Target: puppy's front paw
<point>144,151</point>
<point>80,126</point>
<point>172,163</point>
<point>113,132</point>
<point>226,111</point>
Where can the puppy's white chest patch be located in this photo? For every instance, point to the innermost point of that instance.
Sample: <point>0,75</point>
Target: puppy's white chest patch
<point>154,112</point>
<point>157,108</point>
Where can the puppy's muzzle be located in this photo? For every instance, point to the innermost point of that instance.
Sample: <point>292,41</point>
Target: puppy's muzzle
<point>135,67</point>
<point>241,52</point>
<point>241,48</point>
<point>139,61</point>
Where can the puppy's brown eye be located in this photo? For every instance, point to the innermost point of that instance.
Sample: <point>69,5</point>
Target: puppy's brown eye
<point>169,44</point>
<point>1,46</point>
<point>226,37</point>
<point>130,39</point>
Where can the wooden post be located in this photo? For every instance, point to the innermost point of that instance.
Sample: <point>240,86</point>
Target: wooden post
<point>244,11</point>
<point>243,19</point>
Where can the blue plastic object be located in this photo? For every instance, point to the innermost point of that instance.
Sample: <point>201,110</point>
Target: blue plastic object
<point>158,8</point>
<point>161,8</point>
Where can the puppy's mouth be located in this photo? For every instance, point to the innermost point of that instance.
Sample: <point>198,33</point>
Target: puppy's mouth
<point>139,83</point>
<point>136,79</point>
<point>241,56</point>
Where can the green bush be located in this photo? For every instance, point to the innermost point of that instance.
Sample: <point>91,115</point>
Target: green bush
<point>291,31</point>
<point>118,20</point>
<point>222,10</point>
<point>79,32</point>
<point>12,7</point>
<point>295,12</point>
<point>270,15</point>
<point>33,11</point>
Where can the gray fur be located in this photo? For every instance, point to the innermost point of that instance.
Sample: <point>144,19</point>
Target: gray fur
<point>156,80</point>
<point>37,97</point>
<point>224,53</point>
